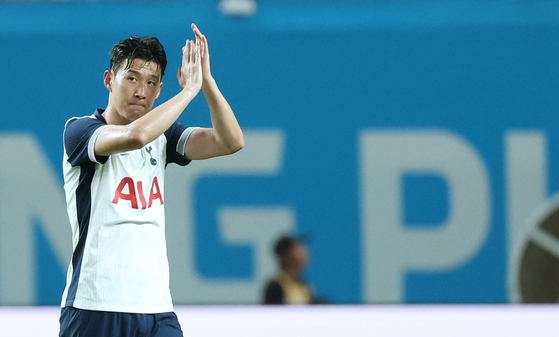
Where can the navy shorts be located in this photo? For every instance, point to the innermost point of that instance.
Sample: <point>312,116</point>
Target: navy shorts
<point>87,323</point>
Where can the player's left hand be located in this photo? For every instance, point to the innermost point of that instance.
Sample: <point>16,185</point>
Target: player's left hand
<point>204,53</point>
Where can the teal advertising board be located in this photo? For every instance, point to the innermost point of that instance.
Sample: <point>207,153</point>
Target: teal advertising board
<point>414,143</point>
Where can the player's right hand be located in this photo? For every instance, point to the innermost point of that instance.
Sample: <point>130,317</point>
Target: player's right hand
<point>190,73</point>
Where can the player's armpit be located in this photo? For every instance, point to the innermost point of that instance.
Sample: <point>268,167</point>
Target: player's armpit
<point>205,143</point>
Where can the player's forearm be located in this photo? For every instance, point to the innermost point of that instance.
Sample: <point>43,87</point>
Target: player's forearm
<point>224,121</point>
<point>150,126</point>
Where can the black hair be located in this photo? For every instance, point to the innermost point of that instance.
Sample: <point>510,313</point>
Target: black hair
<point>284,244</point>
<point>144,48</point>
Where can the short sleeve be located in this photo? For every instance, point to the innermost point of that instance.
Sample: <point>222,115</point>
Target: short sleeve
<point>79,140</point>
<point>177,135</point>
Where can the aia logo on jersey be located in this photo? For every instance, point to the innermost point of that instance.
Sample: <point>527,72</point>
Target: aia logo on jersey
<point>136,193</point>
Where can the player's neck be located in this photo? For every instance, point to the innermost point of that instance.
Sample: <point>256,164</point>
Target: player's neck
<point>292,272</point>
<point>112,117</point>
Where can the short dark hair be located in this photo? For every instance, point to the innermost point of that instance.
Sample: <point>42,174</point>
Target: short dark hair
<point>285,243</point>
<point>135,47</point>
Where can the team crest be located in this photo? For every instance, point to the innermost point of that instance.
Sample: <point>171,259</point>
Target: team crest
<point>151,160</point>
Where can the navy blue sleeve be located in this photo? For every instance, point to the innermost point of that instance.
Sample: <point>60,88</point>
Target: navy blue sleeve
<point>177,135</point>
<point>78,134</point>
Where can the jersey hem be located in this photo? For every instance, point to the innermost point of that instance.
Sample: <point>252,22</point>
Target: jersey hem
<point>123,309</point>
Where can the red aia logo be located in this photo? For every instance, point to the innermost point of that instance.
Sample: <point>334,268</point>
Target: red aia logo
<point>154,193</point>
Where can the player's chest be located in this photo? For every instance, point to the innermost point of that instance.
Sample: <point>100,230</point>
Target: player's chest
<point>149,160</point>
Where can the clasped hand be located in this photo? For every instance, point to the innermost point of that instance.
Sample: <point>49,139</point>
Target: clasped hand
<point>195,62</point>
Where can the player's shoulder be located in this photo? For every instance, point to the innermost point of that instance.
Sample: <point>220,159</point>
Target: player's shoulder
<point>175,128</point>
<point>85,121</point>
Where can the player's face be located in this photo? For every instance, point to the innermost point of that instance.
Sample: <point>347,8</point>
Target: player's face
<point>134,90</point>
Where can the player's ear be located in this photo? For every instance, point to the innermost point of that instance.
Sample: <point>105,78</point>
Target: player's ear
<point>159,92</point>
<point>108,79</point>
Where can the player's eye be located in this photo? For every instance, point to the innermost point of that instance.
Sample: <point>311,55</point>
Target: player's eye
<point>131,78</point>
<point>151,83</point>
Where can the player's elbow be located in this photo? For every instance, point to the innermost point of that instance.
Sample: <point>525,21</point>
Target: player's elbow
<point>237,144</point>
<point>137,139</point>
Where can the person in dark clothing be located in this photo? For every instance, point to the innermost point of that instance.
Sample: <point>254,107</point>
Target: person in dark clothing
<point>288,287</point>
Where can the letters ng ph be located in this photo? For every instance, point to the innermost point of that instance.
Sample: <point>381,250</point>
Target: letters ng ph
<point>154,193</point>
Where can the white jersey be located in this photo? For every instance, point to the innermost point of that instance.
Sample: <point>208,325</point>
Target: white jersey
<point>116,209</point>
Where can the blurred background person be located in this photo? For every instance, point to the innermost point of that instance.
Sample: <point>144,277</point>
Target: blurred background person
<point>289,286</point>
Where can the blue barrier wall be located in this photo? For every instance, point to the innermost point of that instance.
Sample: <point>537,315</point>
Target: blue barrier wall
<point>412,141</point>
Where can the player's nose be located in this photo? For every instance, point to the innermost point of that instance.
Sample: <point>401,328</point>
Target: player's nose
<point>141,91</point>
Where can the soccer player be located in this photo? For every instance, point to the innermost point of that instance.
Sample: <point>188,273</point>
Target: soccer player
<point>114,161</point>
